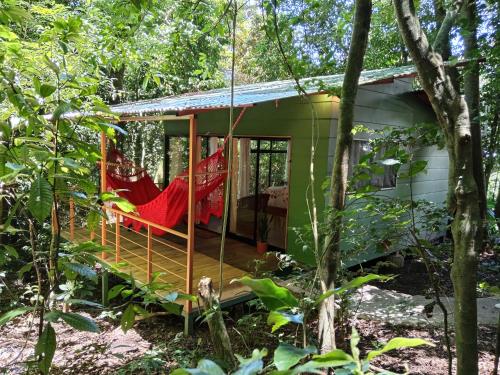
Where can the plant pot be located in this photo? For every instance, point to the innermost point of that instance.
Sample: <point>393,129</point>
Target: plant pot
<point>261,247</point>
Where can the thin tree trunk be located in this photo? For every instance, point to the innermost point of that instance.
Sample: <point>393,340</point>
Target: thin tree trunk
<point>329,261</point>
<point>218,332</point>
<point>492,146</point>
<point>452,113</point>
<point>497,208</point>
<point>471,91</point>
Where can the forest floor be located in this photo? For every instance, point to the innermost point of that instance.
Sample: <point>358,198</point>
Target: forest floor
<point>158,346</point>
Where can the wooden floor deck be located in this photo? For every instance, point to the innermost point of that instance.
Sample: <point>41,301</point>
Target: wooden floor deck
<point>169,257</point>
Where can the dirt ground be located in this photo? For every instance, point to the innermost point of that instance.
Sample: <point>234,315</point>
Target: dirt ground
<point>156,346</point>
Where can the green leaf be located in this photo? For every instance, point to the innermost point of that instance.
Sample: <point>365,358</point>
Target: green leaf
<point>11,251</point>
<point>80,322</point>
<point>92,220</point>
<point>172,307</point>
<point>26,268</point>
<point>252,365</point>
<point>40,199</point>
<point>46,90</point>
<point>76,301</point>
<point>52,65</point>
<point>205,367</point>
<point>398,343</point>
<point>82,270</point>
<point>415,168</point>
<point>115,291</point>
<point>335,358</point>
<point>281,318</point>
<point>274,297</point>
<point>128,318</point>
<point>61,109</point>
<point>9,315</point>
<point>287,356</point>
<point>45,348</point>
<point>354,343</point>
<point>353,284</point>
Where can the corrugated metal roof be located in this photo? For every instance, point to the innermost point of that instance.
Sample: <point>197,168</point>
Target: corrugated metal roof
<point>251,94</point>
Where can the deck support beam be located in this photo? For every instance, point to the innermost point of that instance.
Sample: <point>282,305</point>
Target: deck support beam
<point>103,189</point>
<point>104,278</point>
<point>191,216</point>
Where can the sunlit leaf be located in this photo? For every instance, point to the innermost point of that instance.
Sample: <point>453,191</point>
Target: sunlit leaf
<point>273,296</point>
<point>398,343</point>
<point>286,356</point>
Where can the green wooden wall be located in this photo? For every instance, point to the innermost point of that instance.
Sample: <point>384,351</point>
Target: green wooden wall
<point>288,118</point>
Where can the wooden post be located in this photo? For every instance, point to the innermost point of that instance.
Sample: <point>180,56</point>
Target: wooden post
<point>103,189</point>
<point>150,254</point>
<point>117,238</point>
<point>71,219</point>
<point>104,279</point>
<point>191,210</point>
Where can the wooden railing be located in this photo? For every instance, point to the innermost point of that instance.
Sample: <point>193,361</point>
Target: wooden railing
<point>142,250</point>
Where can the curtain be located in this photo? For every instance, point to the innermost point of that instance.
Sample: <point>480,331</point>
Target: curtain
<point>244,168</point>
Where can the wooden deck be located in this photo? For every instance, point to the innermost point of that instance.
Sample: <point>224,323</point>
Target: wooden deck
<point>169,256</point>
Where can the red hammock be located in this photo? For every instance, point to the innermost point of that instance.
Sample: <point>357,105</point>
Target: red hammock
<point>168,207</point>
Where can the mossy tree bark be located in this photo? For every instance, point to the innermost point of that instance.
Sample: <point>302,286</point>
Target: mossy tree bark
<point>441,85</point>
<point>329,261</point>
<point>471,91</point>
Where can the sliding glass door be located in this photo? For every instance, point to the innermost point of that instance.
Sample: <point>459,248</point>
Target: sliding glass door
<point>263,168</point>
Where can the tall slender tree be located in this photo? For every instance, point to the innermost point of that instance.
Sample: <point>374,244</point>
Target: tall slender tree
<point>440,82</point>
<point>330,259</point>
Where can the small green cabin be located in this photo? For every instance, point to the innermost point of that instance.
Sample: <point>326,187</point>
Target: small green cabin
<point>272,145</point>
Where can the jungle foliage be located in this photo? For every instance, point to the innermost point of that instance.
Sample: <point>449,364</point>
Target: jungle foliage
<point>62,60</point>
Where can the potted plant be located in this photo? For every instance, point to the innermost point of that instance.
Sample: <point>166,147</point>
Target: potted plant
<point>263,222</point>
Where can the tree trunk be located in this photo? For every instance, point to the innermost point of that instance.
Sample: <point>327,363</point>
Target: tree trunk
<point>471,91</point>
<point>492,146</point>
<point>218,332</point>
<point>497,208</point>
<point>452,113</point>
<point>329,261</point>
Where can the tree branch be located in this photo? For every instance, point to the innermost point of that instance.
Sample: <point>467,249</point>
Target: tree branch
<point>442,41</point>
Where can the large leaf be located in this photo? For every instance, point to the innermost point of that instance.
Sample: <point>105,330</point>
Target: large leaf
<point>274,297</point>
<point>46,90</point>
<point>353,284</point>
<point>115,291</point>
<point>415,168</point>
<point>398,343</point>
<point>335,358</point>
<point>80,322</point>
<point>9,315</point>
<point>82,270</point>
<point>128,318</point>
<point>287,356</point>
<point>281,318</point>
<point>205,367</point>
<point>45,348</point>
<point>252,365</point>
<point>40,199</point>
